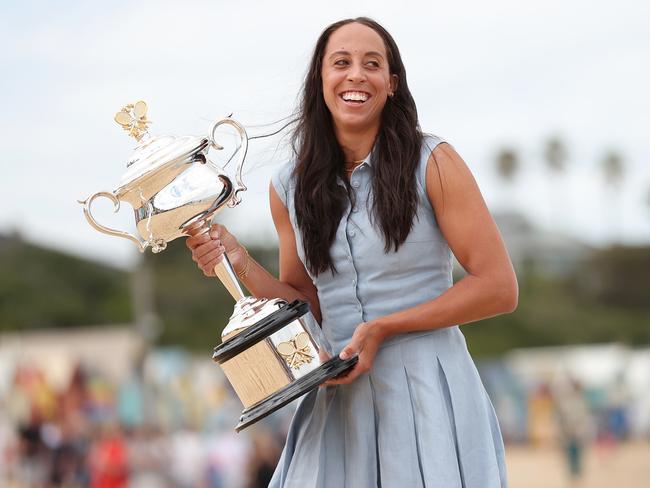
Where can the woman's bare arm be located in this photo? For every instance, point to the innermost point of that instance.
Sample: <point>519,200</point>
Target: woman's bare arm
<point>490,286</point>
<point>293,283</point>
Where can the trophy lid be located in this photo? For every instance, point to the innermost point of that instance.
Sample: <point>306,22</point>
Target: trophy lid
<point>153,152</point>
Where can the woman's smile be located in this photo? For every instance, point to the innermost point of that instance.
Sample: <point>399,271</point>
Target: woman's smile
<point>355,97</point>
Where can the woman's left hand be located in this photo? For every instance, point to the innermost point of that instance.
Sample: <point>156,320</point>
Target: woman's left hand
<point>365,343</point>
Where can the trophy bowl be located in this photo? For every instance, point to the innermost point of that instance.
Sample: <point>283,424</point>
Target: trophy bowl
<point>272,351</point>
<point>172,185</point>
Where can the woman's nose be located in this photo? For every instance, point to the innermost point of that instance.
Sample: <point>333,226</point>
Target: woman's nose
<point>356,73</point>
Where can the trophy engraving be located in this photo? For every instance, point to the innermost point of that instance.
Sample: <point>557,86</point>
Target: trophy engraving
<point>296,351</point>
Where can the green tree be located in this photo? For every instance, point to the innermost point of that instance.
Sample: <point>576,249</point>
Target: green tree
<point>44,288</point>
<point>556,160</point>
<point>507,167</point>
<point>613,170</point>
<point>556,154</point>
<point>507,164</point>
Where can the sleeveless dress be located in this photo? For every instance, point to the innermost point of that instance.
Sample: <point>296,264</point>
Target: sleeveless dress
<point>420,417</point>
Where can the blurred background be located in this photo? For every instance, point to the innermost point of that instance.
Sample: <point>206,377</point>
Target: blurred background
<point>105,371</point>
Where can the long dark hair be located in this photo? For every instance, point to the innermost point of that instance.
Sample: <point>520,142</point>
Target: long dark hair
<point>319,200</point>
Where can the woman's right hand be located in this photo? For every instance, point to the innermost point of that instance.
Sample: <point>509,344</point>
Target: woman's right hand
<point>207,249</point>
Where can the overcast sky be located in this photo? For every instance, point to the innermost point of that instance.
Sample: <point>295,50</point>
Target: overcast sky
<point>483,74</point>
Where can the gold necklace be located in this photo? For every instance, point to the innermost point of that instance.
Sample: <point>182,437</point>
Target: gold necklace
<point>351,165</point>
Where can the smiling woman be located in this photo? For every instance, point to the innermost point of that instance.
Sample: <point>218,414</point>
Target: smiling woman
<point>368,216</point>
<point>355,60</point>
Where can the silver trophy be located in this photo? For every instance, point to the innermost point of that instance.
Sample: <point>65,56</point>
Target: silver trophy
<point>272,351</point>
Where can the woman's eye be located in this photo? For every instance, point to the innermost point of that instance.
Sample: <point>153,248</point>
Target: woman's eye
<point>373,64</point>
<point>341,62</point>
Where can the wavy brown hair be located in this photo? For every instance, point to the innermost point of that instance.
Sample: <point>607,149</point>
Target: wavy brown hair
<point>319,200</point>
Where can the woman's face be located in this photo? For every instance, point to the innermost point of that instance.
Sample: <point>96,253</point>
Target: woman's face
<point>356,77</point>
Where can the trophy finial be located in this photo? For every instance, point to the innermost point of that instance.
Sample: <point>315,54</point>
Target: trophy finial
<point>133,119</point>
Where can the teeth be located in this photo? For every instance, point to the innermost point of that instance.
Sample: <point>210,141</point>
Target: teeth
<point>354,96</point>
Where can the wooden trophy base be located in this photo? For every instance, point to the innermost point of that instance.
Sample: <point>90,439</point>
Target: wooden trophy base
<point>326,371</point>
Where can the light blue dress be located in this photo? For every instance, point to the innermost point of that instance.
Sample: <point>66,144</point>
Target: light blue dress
<point>420,417</point>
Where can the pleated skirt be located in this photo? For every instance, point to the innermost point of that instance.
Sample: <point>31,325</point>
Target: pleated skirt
<point>420,418</point>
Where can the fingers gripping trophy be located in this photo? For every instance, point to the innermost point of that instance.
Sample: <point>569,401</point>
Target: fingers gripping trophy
<point>271,351</point>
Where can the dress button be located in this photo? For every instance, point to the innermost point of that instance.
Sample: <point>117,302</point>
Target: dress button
<point>354,282</point>
<point>355,209</point>
<point>352,233</point>
<point>355,184</point>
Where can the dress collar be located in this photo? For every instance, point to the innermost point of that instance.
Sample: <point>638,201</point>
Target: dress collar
<point>368,161</point>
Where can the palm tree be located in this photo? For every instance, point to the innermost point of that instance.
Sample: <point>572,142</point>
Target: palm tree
<point>613,171</point>
<point>555,154</point>
<point>613,168</point>
<point>507,166</point>
<point>556,157</point>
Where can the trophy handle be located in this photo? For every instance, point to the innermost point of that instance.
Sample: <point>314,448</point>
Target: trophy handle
<point>142,245</point>
<point>240,163</point>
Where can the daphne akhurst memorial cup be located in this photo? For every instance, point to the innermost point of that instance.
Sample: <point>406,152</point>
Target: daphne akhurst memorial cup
<point>271,351</point>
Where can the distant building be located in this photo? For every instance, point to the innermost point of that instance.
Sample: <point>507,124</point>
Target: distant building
<point>112,351</point>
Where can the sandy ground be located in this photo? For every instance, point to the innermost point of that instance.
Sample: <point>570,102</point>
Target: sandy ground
<point>623,466</point>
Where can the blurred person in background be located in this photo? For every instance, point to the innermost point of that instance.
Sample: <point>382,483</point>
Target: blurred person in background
<point>67,465</point>
<point>542,418</point>
<point>618,401</point>
<point>264,454</point>
<point>187,458</point>
<point>227,457</point>
<point>368,217</point>
<point>149,458</point>
<point>108,458</point>
<point>32,454</point>
<point>32,403</point>
<point>575,425</point>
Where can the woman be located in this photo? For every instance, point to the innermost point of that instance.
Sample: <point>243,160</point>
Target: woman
<point>367,219</point>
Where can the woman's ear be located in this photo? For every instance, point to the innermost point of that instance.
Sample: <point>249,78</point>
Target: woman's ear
<point>394,80</point>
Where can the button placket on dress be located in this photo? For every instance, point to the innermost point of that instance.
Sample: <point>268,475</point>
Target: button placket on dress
<point>351,232</point>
